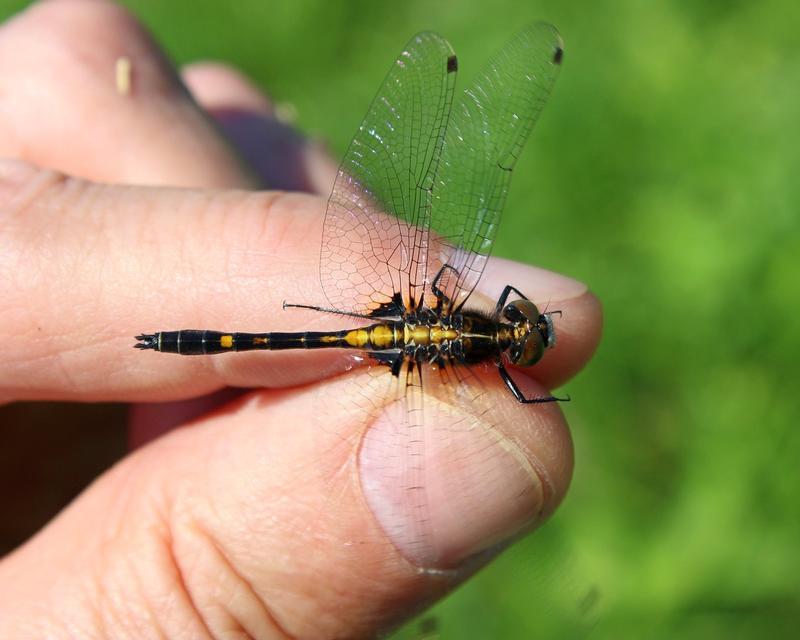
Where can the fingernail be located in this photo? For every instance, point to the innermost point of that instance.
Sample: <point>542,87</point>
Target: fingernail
<point>448,490</point>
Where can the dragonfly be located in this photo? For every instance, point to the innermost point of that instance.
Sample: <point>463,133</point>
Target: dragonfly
<point>407,233</point>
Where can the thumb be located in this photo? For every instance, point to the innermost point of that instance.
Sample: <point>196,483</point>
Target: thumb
<point>270,516</point>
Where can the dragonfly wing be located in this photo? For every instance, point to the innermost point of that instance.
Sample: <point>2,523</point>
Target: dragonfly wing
<point>441,452</point>
<point>389,168</point>
<point>491,121</point>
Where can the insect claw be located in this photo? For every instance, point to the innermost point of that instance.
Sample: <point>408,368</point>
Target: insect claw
<point>146,341</point>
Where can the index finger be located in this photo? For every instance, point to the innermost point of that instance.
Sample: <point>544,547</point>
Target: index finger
<point>85,267</point>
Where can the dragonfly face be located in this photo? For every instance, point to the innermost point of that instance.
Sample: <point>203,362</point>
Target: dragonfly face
<point>533,332</point>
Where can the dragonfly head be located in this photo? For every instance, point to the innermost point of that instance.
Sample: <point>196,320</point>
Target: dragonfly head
<point>533,332</point>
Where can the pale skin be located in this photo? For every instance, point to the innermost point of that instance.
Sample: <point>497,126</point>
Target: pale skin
<point>224,528</point>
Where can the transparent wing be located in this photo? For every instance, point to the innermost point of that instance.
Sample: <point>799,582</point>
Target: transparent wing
<point>389,168</point>
<point>439,451</point>
<point>490,123</point>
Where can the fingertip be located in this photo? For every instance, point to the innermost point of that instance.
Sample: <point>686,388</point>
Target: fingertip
<point>578,325</point>
<point>74,66</point>
<point>215,85</point>
<point>86,37</point>
<point>475,472</point>
<point>344,498</point>
<point>578,330</point>
<point>538,284</point>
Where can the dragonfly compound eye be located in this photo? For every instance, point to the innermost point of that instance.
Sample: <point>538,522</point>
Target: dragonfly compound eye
<point>520,310</point>
<point>528,349</point>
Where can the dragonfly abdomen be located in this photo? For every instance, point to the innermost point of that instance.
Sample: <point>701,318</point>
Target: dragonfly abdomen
<point>192,342</point>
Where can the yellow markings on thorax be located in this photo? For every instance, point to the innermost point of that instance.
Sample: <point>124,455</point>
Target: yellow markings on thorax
<point>226,342</point>
<point>506,333</point>
<point>440,334</point>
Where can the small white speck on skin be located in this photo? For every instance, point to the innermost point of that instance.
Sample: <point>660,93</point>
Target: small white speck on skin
<point>122,73</point>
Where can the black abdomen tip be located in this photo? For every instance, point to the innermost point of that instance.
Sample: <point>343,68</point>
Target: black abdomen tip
<point>147,341</point>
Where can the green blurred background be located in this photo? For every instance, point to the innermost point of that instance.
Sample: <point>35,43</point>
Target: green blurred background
<point>665,174</point>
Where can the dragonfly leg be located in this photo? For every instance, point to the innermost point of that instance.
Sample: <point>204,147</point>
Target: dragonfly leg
<point>517,392</point>
<point>338,312</point>
<point>441,296</point>
<point>501,302</point>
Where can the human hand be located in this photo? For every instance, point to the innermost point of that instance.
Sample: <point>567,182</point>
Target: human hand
<point>252,517</point>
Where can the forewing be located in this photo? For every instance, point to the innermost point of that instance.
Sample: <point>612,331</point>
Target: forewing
<point>490,123</point>
<point>389,168</point>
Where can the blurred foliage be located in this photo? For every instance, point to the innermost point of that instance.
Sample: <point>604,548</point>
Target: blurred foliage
<point>663,173</point>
